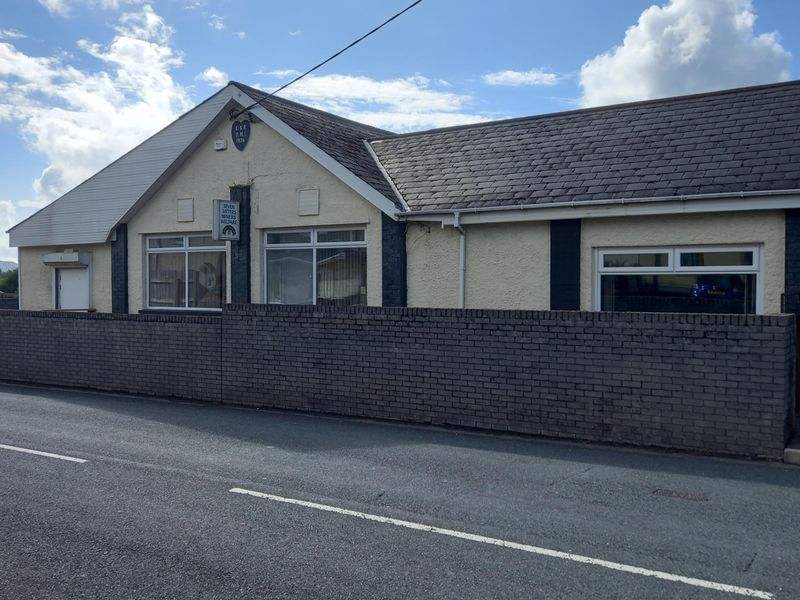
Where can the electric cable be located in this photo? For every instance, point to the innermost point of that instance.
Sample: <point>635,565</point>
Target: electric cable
<point>327,60</point>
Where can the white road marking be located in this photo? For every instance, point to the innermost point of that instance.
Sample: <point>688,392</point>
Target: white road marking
<point>40,453</point>
<point>701,583</point>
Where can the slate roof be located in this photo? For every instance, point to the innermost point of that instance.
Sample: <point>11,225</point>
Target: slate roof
<point>340,138</point>
<point>88,213</point>
<point>745,139</point>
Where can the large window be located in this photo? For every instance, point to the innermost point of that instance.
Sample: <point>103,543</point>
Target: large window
<point>696,280</point>
<point>186,272</point>
<point>320,266</point>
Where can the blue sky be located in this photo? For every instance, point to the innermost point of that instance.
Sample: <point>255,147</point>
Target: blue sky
<point>82,81</point>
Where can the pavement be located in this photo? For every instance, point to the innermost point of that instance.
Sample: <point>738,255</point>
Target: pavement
<point>327,507</point>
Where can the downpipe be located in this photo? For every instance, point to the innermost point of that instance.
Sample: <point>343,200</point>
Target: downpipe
<point>462,266</point>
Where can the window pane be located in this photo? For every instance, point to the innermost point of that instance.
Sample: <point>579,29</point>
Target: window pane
<point>166,280</point>
<point>716,259</point>
<point>624,260</point>
<point>171,242</point>
<point>196,241</point>
<point>289,237</point>
<point>342,276</point>
<point>206,279</point>
<point>350,235</point>
<point>290,276</point>
<point>693,293</point>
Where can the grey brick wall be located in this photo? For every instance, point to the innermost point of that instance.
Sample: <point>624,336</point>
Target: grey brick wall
<point>163,355</point>
<point>9,303</point>
<point>716,383</point>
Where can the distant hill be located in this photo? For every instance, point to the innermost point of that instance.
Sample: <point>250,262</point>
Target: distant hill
<point>7,266</point>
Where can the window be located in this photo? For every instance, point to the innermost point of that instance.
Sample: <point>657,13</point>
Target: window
<point>321,266</point>
<point>186,272</point>
<point>698,280</point>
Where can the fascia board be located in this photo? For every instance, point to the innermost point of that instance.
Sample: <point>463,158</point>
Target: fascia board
<point>752,203</point>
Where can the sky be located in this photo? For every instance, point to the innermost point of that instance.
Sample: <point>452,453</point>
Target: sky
<point>84,81</point>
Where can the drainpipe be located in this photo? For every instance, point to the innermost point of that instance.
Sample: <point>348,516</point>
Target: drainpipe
<point>462,268</point>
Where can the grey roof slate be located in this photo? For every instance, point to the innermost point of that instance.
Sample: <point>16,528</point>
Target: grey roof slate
<point>746,139</point>
<point>340,138</point>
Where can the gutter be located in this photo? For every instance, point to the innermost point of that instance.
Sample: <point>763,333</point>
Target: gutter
<point>611,202</point>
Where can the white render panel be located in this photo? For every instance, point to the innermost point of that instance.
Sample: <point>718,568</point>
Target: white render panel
<point>507,266</point>
<point>88,213</point>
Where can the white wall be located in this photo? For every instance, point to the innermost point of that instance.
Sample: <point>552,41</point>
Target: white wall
<point>37,278</point>
<point>756,227</point>
<point>276,171</point>
<point>507,266</point>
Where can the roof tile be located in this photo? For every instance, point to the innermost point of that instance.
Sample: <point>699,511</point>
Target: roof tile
<point>746,139</point>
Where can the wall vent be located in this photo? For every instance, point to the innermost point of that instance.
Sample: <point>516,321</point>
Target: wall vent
<point>185,210</point>
<point>308,202</point>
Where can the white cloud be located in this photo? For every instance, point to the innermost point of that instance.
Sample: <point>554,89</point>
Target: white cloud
<point>82,120</point>
<point>194,4</point>
<point>217,22</point>
<point>11,34</point>
<point>112,4</point>
<point>518,78</point>
<point>295,33</point>
<point>682,47</point>
<point>62,7</point>
<point>214,76</point>
<point>241,35</point>
<point>56,7</point>
<point>8,218</point>
<point>146,25</point>
<point>402,104</point>
<point>279,73</point>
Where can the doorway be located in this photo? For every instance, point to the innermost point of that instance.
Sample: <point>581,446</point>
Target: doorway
<point>72,289</point>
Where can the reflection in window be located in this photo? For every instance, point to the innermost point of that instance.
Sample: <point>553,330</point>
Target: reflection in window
<point>716,259</point>
<point>186,272</point>
<point>616,261</point>
<point>342,276</point>
<point>290,278</point>
<point>692,293</point>
<point>326,266</point>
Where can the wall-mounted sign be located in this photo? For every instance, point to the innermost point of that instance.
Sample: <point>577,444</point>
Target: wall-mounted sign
<point>240,132</point>
<point>226,220</point>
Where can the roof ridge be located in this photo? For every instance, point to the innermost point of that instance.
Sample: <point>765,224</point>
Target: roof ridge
<point>607,107</point>
<point>351,122</point>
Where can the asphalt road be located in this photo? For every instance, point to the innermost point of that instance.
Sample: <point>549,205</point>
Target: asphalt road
<point>150,513</point>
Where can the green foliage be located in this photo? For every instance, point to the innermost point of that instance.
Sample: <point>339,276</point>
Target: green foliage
<point>9,281</point>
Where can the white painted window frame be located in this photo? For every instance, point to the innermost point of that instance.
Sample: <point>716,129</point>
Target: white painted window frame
<point>674,266</point>
<point>313,245</point>
<point>185,250</point>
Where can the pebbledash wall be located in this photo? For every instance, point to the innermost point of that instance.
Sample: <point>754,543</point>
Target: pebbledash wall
<point>713,383</point>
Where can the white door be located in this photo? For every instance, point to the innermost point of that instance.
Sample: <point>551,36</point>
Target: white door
<point>72,288</point>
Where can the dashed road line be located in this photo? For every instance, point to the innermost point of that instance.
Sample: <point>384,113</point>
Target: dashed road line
<point>40,453</point>
<point>692,581</point>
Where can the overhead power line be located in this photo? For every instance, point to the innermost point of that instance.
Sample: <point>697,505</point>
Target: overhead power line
<point>329,59</point>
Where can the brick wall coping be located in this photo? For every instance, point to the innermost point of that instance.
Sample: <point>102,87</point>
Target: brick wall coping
<point>148,318</point>
<point>529,315</point>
